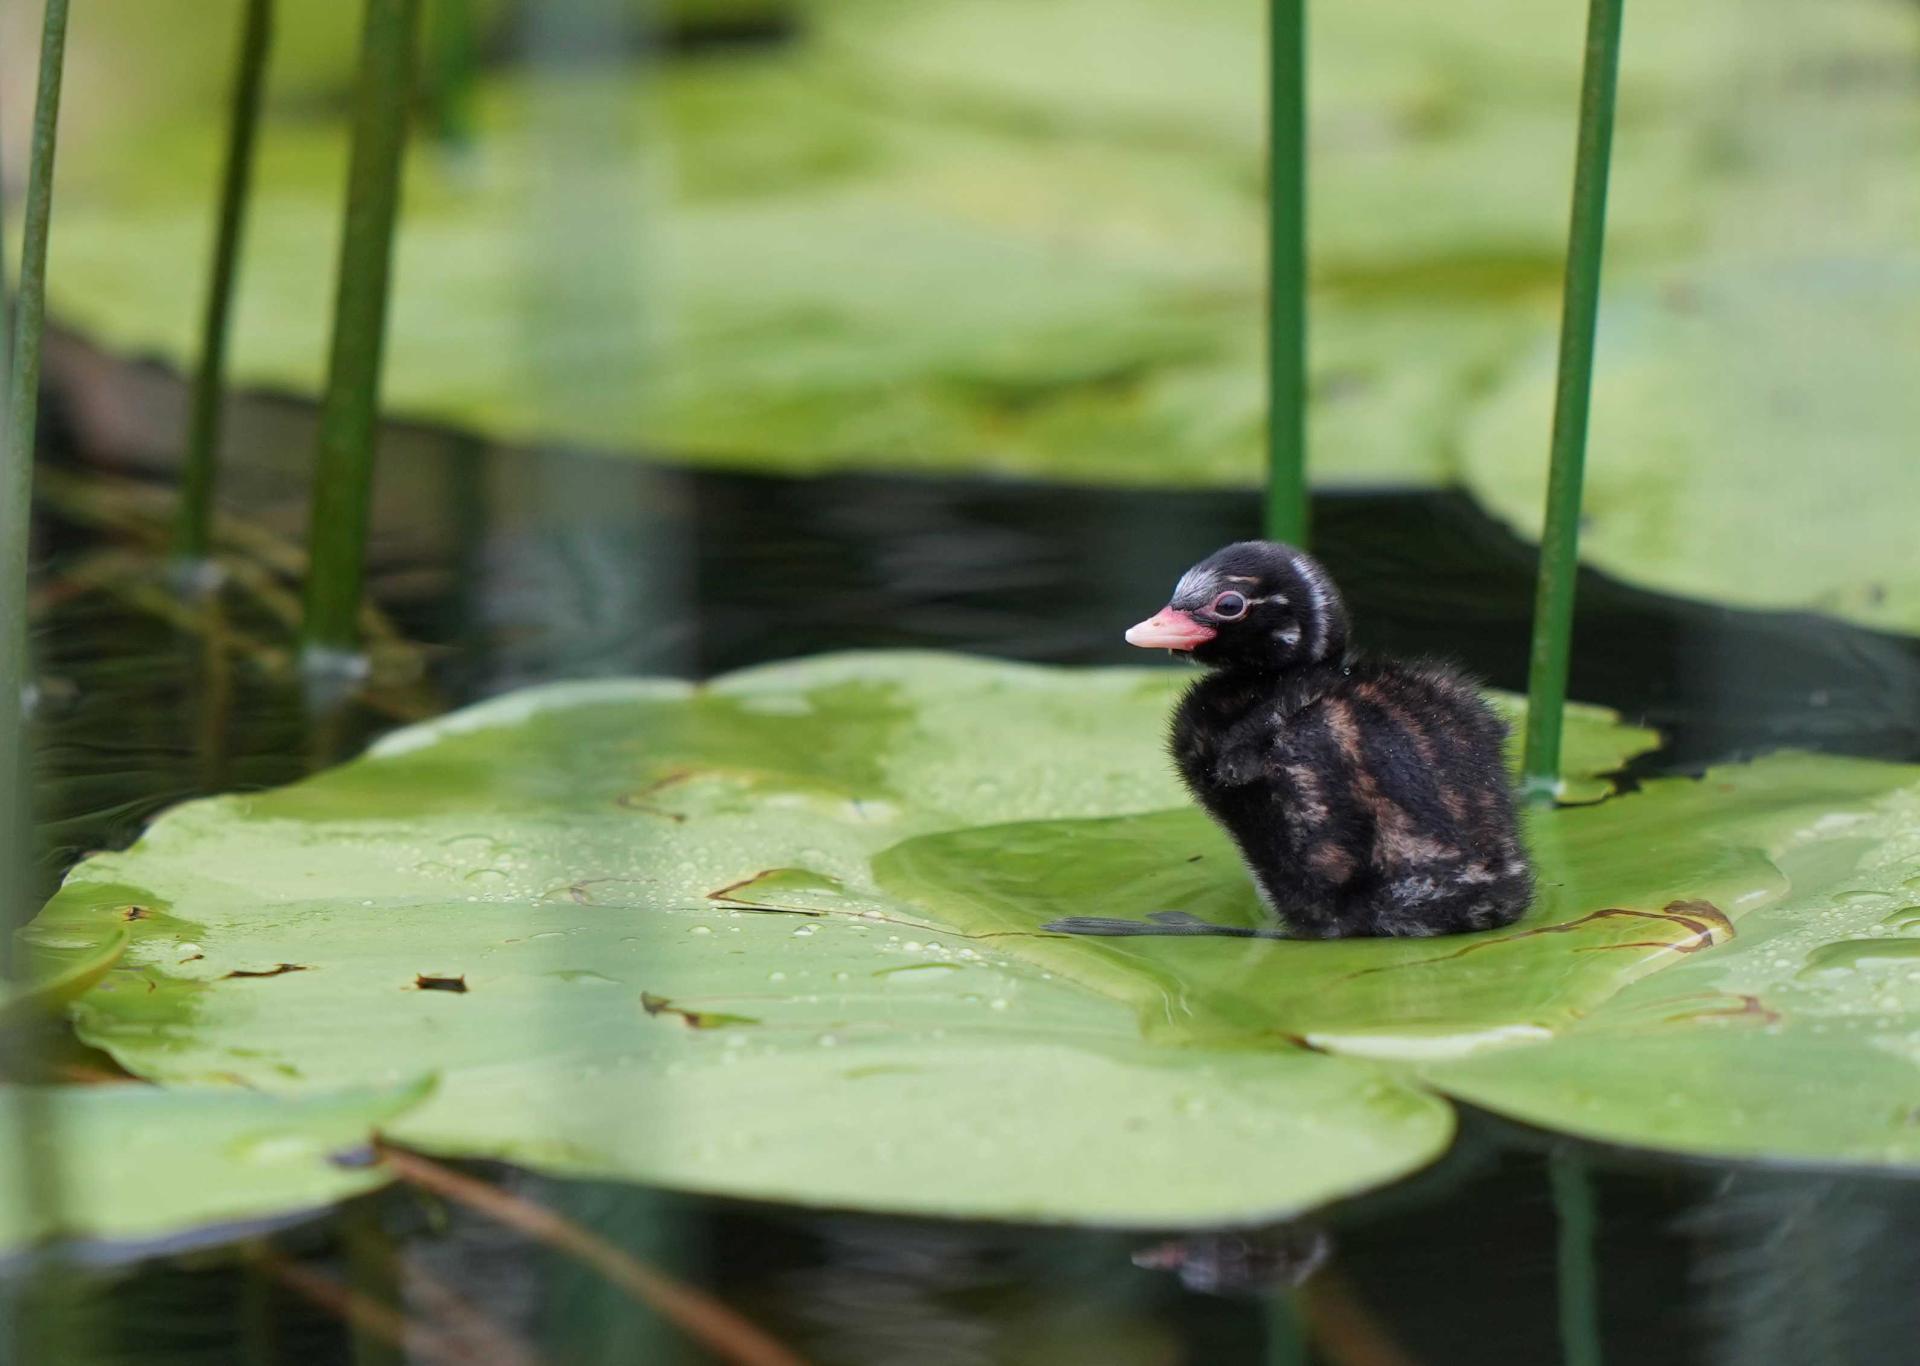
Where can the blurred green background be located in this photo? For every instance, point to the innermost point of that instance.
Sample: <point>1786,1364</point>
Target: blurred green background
<point>1027,239</point>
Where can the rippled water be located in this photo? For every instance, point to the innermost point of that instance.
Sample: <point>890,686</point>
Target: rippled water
<point>502,568</point>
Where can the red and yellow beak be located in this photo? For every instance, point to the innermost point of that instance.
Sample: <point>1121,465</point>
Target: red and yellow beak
<point>1168,629</point>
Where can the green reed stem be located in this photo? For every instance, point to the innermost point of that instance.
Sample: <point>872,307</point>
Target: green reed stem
<point>16,493</point>
<point>456,68</point>
<point>1287,274</point>
<point>1560,541</point>
<point>34,1331</point>
<point>1576,1209</point>
<point>16,513</point>
<point>373,1270</point>
<point>192,532</point>
<point>1287,1342</point>
<point>349,411</point>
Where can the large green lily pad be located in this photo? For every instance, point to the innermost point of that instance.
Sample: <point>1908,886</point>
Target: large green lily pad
<point>547,902</point>
<point>778,937</point>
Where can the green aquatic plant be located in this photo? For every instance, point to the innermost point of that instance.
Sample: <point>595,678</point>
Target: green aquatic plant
<point>1287,272</point>
<point>350,404</point>
<point>20,364</point>
<point>455,66</point>
<point>1552,640</point>
<point>779,936</point>
<point>200,468</point>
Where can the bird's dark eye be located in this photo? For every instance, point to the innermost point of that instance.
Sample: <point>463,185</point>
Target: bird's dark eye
<point>1228,606</point>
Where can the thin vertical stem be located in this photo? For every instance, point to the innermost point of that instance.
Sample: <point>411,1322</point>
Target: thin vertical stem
<point>455,42</point>
<point>374,1273</point>
<point>16,528</point>
<point>191,534</point>
<point>1559,542</point>
<point>1574,1205</point>
<point>343,476</point>
<point>16,493</point>
<point>35,1140</point>
<point>1287,274</point>
<point>1287,1343</point>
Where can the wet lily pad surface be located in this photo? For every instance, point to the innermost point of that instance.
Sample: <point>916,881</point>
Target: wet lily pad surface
<point>778,937</point>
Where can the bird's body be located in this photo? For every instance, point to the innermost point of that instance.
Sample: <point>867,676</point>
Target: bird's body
<point>1366,798</point>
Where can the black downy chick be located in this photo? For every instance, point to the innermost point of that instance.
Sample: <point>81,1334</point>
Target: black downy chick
<point>1366,797</point>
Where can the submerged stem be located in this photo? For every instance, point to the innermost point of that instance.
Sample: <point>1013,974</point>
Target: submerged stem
<point>1574,1205</point>
<point>708,1322</point>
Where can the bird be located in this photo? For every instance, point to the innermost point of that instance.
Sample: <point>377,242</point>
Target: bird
<point>1367,797</point>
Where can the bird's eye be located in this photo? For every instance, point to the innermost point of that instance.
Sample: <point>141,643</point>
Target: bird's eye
<point>1229,606</point>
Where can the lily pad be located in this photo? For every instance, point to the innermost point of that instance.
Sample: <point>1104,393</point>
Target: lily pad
<point>780,936</point>
<point>142,1168</point>
<point>62,972</point>
<point>1799,1040</point>
<point>952,234</point>
<point>682,960</point>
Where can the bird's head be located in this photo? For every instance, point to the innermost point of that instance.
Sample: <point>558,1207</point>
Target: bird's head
<point>1256,605</point>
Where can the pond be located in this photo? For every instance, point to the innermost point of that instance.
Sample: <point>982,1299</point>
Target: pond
<point>500,567</point>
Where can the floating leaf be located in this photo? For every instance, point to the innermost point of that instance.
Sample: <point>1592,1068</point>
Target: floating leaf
<point>952,234</point>
<point>145,1168</point>
<point>1721,400</point>
<point>679,965</point>
<point>62,971</point>
<point>780,937</point>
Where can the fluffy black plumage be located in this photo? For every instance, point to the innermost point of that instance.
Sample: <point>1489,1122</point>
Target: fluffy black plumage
<point>1366,797</point>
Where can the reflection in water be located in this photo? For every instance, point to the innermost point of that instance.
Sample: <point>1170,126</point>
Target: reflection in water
<point>1806,1270</point>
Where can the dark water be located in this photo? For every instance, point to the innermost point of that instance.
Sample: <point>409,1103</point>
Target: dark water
<point>500,568</point>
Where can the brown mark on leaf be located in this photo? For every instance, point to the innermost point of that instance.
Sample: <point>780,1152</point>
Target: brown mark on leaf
<point>1741,1007</point>
<point>579,893</point>
<point>277,970</point>
<point>726,893</point>
<point>693,1019</point>
<point>426,982</point>
<point>1705,925</point>
<point>729,894</point>
<point>135,913</point>
<point>642,799</point>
